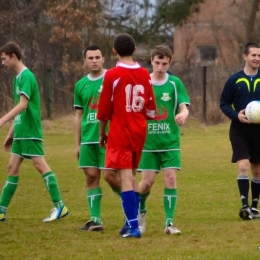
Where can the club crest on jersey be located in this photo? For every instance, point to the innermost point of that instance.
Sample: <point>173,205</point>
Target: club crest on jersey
<point>100,89</point>
<point>161,114</point>
<point>18,92</point>
<point>165,97</point>
<point>93,103</point>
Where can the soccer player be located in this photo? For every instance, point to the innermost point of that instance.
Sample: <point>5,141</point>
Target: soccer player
<point>162,147</point>
<point>126,100</point>
<point>240,89</point>
<point>91,156</point>
<point>25,135</point>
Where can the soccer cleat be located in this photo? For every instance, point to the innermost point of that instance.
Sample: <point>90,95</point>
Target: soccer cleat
<point>141,221</point>
<point>124,229</point>
<point>171,230</point>
<point>245,213</point>
<point>57,214</point>
<point>92,226</point>
<point>2,217</point>
<point>135,233</point>
<point>255,213</point>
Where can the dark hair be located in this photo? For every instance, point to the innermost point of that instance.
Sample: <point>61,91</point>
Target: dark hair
<point>11,48</point>
<point>162,51</point>
<point>124,44</point>
<point>92,48</point>
<point>250,45</point>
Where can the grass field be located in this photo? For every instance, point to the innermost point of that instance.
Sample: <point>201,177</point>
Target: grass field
<point>207,209</point>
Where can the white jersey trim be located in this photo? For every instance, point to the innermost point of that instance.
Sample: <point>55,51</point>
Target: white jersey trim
<point>128,66</point>
<point>96,78</point>
<point>157,151</point>
<point>29,138</point>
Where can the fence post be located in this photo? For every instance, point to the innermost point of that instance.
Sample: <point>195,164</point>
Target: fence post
<point>48,93</point>
<point>205,93</point>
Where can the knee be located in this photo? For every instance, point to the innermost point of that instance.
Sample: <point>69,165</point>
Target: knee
<point>108,177</point>
<point>171,181</point>
<point>12,169</point>
<point>243,167</point>
<point>92,180</point>
<point>112,178</point>
<point>147,184</point>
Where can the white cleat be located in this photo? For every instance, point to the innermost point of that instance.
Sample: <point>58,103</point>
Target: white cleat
<point>171,230</point>
<point>141,221</point>
<point>57,214</point>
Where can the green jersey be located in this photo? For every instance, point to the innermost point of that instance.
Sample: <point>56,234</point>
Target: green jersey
<point>86,95</point>
<point>27,125</point>
<point>163,133</point>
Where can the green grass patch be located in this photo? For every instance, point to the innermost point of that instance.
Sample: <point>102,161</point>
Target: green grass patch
<point>207,208</point>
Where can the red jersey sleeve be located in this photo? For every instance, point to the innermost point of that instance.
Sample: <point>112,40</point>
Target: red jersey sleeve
<point>105,100</point>
<point>151,105</point>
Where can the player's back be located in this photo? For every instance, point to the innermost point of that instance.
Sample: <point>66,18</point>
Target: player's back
<point>131,98</point>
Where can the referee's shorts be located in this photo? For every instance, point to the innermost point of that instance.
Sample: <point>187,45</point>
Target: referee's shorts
<point>245,141</point>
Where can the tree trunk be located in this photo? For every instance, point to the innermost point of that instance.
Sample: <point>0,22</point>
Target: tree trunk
<point>251,21</point>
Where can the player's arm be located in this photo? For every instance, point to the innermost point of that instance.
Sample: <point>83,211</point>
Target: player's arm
<point>77,131</point>
<point>104,109</point>
<point>9,139</point>
<point>182,115</point>
<point>22,105</point>
<point>226,100</point>
<point>102,134</point>
<point>151,105</point>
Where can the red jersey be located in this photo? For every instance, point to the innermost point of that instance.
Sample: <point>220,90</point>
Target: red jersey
<point>127,100</point>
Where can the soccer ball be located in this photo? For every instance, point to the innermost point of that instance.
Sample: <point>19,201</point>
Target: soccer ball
<point>253,112</point>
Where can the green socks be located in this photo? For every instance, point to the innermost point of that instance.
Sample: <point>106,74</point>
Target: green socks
<point>94,198</point>
<point>169,201</point>
<point>53,189</point>
<point>143,197</point>
<point>8,192</point>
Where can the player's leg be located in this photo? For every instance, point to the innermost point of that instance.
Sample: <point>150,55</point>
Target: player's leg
<point>147,180</point>
<point>243,167</point>
<point>255,189</point>
<point>112,177</point>
<point>11,182</point>
<point>124,161</point>
<point>149,166</point>
<point>129,203</point>
<point>255,169</point>
<point>241,157</point>
<point>89,161</point>
<point>171,164</point>
<point>34,150</point>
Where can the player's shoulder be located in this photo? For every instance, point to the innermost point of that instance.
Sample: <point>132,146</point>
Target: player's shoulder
<point>27,75</point>
<point>234,78</point>
<point>81,81</point>
<point>237,75</point>
<point>175,79</point>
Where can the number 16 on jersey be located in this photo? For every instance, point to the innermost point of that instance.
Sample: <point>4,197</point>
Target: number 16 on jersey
<point>137,102</point>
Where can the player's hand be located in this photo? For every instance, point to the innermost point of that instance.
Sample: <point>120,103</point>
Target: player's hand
<point>180,118</point>
<point>242,117</point>
<point>8,143</point>
<point>77,149</point>
<point>103,141</point>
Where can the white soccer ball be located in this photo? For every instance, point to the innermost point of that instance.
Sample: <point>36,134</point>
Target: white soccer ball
<point>253,112</point>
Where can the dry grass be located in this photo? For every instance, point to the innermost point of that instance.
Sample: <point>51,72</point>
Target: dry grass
<point>207,210</point>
